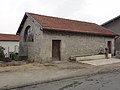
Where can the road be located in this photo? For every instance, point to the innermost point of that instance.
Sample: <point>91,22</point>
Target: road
<point>106,81</point>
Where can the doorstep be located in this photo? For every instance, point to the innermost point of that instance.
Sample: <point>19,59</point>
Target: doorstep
<point>101,61</point>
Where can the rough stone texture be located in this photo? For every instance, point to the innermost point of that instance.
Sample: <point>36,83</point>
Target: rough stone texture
<point>31,49</point>
<point>71,43</point>
<point>118,54</point>
<point>74,44</point>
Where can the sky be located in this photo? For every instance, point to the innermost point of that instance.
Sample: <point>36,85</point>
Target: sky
<point>95,11</point>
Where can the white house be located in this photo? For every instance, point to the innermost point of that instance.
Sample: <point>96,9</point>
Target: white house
<point>10,42</point>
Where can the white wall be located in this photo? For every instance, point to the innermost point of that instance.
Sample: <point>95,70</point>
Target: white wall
<point>10,46</point>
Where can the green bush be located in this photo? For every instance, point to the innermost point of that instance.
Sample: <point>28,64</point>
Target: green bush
<point>2,52</point>
<point>13,55</point>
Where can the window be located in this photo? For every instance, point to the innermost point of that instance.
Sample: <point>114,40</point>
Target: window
<point>16,48</point>
<point>28,35</point>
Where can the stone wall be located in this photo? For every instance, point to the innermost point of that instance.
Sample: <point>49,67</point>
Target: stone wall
<point>31,50</point>
<point>74,44</point>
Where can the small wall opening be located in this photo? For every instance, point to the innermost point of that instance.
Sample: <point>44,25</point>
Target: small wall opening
<point>28,35</point>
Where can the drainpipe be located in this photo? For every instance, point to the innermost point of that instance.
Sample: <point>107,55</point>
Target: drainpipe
<point>8,52</point>
<point>116,37</point>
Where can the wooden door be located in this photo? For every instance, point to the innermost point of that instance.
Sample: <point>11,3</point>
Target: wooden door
<point>109,46</point>
<point>56,49</point>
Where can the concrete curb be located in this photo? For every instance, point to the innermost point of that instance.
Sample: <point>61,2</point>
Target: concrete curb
<point>88,72</point>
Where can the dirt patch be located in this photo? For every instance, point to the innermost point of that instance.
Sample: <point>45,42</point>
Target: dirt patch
<point>72,65</point>
<point>12,63</point>
<point>38,66</point>
<point>25,67</point>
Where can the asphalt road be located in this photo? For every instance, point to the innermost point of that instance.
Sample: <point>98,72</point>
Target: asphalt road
<point>107,81</point>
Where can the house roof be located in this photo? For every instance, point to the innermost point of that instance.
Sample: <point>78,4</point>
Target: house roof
<point>9,37</point>
<point>112,20</point>
<point>55,23</point>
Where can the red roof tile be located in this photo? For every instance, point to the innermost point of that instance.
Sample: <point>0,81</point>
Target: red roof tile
<point>55,23</point>
<point>9,37</point>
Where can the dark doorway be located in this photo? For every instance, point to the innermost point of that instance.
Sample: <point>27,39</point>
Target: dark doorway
<point>109,46</point>
<point>56,49</point>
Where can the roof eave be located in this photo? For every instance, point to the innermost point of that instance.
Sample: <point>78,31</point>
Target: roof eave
<point>110,35</point>
<point>10,40</point>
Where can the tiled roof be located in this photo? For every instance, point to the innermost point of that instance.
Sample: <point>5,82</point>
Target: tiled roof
<point>55,23</point>
<point>9,37</point>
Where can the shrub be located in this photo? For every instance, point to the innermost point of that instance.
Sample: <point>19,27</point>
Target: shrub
<point>13,55</point>
<point>2,52</point>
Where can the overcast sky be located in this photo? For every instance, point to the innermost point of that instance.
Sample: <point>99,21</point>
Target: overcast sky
<point>96,11</point>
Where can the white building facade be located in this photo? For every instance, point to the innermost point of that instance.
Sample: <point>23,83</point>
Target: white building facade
<point>10,42</point>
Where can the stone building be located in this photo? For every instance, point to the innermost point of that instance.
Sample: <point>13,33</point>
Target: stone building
<point>46,38</point>
<point>114,26</point>
<point>10,42</point>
